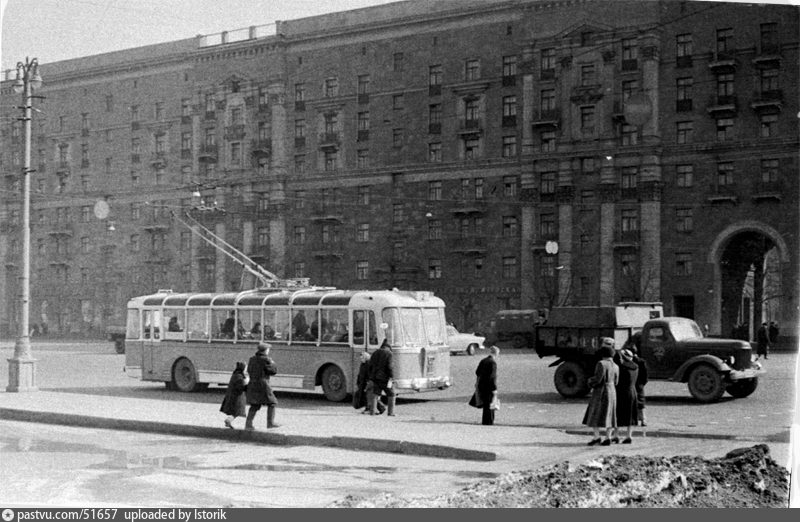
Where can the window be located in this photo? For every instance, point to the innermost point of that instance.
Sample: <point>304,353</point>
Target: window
<point>299,236</point>
<point>769,170</point>
<point>434,268</point>
<point>299,129</point>
<point>509,66</point>
<point>478,188</point>
<point>548,61</point>
<point>685,132</point>
<point>769,125</point>
<point>397,61</point>
<point>510,227</point>
<point>186,241</point>
<point>769,37</point>
<point>684,94</point>
<point>587,166</point>
<point>684,175</point>
<point>210,104</point>
<point>330,160</point>
<point>363,84</point>
<point>84,155</point>
<point>547,100</point>
<point>587,119</point>
<point>629,134</point>
<point>362,158</point>
<point>724,87</point>
<point>629,49</point>
<point>299,92</point>
<point>363,195</point>
<point>435,114</point>
<point>724,40</point>
<point>135,244</point>
<point>628,177</point>
<point>397,101</point>
<point>362,232</point>
<point>724,129</point>
<point>509,146</point>
<point>684,45</point>
<point>683,220</point>
<point>159,111</point>
<point>331,122</point>
<point>628,264</point>
<point>471,110</point>
<point>510,186</point>
<point>547,183</point>
<point>724,174</point>
<point>435,75</point>
<point>509,267</point>
<point>86,213</point>
<point>397,138</point>
<point>588,75</point>
<point>435,152</point>
<point>236,153</point>
<point>236,115</point>
<point>362,270</point>
<point>397,213</point>
<point>629,220</point>
<point>768,79</point>
<point>683,264</point>
<point>134,113</point>
<point>547,266</point>
<point>472,69</point>
<point>186,141</point>
<point>548,141</point>
<point>331,87</point>
<point>210,138</point>
<point>434,229</point>
<point>300,164</point>
<point>509,111</point>
<point>109,103</point>
<point>629,88</point>
<point>434,191</point>
<point>363,121</point>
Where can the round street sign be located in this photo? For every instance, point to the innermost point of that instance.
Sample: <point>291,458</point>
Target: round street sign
<point>551,247</point>
<point>638,109</point>
<point>101,209</point>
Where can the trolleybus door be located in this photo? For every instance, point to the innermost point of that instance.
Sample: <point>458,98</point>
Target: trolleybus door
<point>151,333</point>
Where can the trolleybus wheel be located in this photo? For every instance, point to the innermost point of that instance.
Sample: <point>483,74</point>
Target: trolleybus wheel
<point>334,384</point>
<point>184,376</point>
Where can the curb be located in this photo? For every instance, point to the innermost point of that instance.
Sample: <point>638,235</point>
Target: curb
<point>278,439</point>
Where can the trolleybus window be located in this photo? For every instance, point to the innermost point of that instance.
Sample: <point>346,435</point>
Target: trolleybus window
<point>433,325</point>
<point>358,328</point>
<point>334,326</point>
<point>152,319</point>
<point>277,325</point>
<point>173,321</point>
<point>305,325</point>
<point>249,325</point>
<point>197,324</point>
<point>132,331</point>
<point>223,323</point>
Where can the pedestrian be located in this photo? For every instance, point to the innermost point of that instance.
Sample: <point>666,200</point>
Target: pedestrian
<point>773,333</point>
<point>379,375</point>
<point>360,395</point>
<point>602,409</point>
<point>762,338</point>
<point>627,400</point>
<point>485,396</point>
<point>235,403</point>
<point>259,392</point>
<point>641,381</point>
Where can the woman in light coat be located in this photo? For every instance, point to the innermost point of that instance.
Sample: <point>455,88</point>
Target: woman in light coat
<point>602,409</point>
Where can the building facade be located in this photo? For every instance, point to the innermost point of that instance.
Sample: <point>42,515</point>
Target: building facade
<point>504,154</point>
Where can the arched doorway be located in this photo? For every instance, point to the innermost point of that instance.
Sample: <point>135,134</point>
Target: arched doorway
<point>748,260</point>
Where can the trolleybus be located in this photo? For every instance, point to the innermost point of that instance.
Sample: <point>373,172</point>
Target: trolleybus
<point>191,340</point>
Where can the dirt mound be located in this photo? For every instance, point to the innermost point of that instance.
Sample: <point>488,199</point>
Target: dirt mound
<point>744,478</point>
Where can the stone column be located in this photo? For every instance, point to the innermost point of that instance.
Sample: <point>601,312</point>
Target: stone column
<point>565,194</point>
<point>280,166</point>
<point>650,229</point>
<point>527,274</point>
<point>608,198</point>
<point>651,133</point>
<point>220,261</point>
<point>528,97</point>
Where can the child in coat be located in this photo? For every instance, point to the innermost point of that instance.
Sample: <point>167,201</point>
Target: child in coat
<point>234,403</point>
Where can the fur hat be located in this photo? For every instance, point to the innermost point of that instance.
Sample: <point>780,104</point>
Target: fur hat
<point>239,366</point>
<point>263,347</point>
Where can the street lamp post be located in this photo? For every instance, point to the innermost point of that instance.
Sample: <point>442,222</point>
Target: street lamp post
<point>22,367</point>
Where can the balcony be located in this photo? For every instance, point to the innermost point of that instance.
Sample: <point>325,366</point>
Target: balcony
<point>723,193</point>
<point>766,190</point>
<point>327,213</point>
<point>722,61</point>
<point>467,207</point>
<point>618,111</point>
<point>208,153</point>
<point>261,148</point>
<point>63,168</point>
<point>470,126</point>
<point>329,250</point>
<point>158,159</point>
<point>769,55</point>
<point>156,223</point>
<point>722,104</point>
<point>469,245</point>
<point>587,93</point>
<point>234,133</point>
<point>626,238</point>
<point>329,140</point>
<point>62,229</point>
<point>547,118</point>
<point>767,100</point>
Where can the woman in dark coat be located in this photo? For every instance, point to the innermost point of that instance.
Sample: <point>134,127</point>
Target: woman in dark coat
<point>234,404</point>
<point>627,410</point>
<point>486,385</point>
<point>360,396</point>
<point>602,409</point>
<point>259,392</point>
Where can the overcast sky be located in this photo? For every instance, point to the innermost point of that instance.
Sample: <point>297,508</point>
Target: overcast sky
<point>54,30</point>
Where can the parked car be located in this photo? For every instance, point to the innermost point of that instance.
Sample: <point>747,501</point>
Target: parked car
<point>463,342</point>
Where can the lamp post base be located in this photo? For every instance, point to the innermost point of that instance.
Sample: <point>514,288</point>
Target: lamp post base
<point>21,375</point>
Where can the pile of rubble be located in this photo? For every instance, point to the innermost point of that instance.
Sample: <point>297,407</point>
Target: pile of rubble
<point>744,478</point>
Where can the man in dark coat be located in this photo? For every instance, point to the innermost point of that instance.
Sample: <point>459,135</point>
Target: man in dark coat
<point>360,396</point>
<point>762,337</point>
<point>486,387</point>
<point>773,333</point>
<point>259,392</point>
<point>379,374</point>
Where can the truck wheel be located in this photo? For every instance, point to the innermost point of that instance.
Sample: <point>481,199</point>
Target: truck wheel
<point>570,380</point>
<point>333,384</point>
<point>742,388</point>
<point>119,345</point>
<point>705,383</point>
<point>184,376</point>
<point>519,341</point>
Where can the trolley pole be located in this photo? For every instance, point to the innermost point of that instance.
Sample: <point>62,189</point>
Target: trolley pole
<point>22,367</point>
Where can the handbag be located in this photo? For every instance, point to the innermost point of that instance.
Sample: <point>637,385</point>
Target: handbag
<point>475,401</point>
<point>495,405</point>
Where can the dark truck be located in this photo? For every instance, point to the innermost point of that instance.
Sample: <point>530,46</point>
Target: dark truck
<point>673,348</point>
